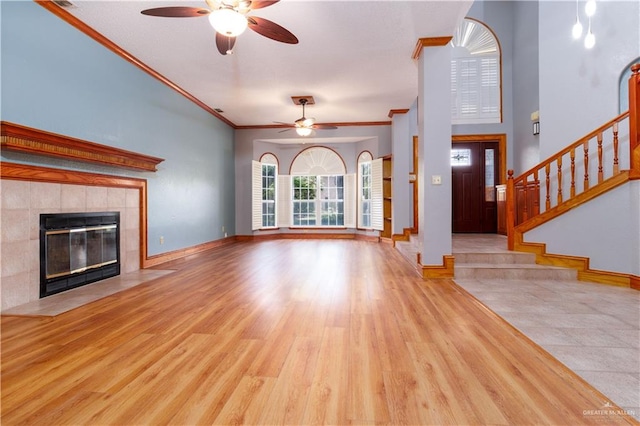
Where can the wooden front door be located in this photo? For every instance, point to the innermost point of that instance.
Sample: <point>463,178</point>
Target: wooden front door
<point>474,172</point>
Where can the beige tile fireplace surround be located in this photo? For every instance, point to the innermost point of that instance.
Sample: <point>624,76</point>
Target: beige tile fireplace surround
<point>22,203</point>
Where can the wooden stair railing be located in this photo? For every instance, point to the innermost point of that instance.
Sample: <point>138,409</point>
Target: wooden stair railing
<point>587,162</point>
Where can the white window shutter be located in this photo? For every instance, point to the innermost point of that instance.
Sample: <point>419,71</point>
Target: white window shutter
<point>350,201</point>
<point>283,201</point>
<point>256,195</point>
<point>377,221</point>
<point>359,196</point>
<point>490,94</point>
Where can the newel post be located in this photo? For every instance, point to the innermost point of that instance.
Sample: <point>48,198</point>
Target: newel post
<point>634,121</point>
<point>511,203</point>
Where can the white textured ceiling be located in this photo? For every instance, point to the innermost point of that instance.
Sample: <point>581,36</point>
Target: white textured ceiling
<point>354,57</point>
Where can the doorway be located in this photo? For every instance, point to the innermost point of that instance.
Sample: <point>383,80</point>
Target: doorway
<point>475,172</point>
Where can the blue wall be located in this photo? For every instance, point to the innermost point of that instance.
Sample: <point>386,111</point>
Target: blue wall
<point>57,79</point>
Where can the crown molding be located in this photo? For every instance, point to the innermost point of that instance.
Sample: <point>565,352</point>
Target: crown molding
<point>397,111</point>
<point>81,26</point>
<point>285,126</point>
<point>429,42</point>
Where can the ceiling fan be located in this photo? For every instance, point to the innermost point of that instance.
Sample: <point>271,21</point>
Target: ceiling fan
<point>304,126</point>
<point>230,18</point>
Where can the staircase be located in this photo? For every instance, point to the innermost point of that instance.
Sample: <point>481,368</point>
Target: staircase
<point>516,266</point>
<point>485,256</point>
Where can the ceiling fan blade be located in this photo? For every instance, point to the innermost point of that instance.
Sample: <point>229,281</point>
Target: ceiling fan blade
<point>286,124</point>
<point>271,30</point>
<point>224,43</point>
<point>213,4</point>
<point>260,4</point>
<point>324,126</point>
<point>285,130</point>
<point>176,12</point>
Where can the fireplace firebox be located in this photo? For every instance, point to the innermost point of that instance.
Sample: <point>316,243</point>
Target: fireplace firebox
<point>77,249</point>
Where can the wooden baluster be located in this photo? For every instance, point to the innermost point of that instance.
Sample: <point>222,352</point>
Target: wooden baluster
<point>573,173</point>
<point>559,160</point>
<point>547,170</point>
<point>600,172</point>
<point>616,167</point>
<point>511,203</point>
<point>525,210</point>
<point>536,197</point>
<point>634,122</point>
<point>585,147</point>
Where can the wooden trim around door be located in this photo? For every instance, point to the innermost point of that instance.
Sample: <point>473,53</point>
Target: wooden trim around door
<point>501,138</point>
<point>415,183</point>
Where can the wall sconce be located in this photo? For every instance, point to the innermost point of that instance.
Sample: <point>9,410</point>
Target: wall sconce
<point>536,127</point>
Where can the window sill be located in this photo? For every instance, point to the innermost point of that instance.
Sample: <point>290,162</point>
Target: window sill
<point>318,228</point>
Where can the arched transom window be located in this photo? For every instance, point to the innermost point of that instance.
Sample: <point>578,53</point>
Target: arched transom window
<point>318,184</point>
<point>475,75</point>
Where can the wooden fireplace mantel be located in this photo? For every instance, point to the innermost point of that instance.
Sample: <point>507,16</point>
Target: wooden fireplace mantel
<point>15,137</point>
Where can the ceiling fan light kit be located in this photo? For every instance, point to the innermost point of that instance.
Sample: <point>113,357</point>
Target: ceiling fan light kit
<point>305,126</point>
<point>229,18</point>
<point>228,22</point>
<point>304,131</point>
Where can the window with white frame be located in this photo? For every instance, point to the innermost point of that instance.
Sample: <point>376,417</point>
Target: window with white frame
<point>475,75</point>
<point>265,188</point>
<point>365,180</point>
<point>332,200</point>
<point>268,195</point>
<point>318,188</point>
<point>304,200</point>
<point>318,200</point>
<point>318,192</point>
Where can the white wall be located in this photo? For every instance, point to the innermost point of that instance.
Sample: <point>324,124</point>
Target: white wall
<point>579,87</point>
<point>608,236</point>
<point>578,93</point>
<point>402,190</point>
<point>434,159</point>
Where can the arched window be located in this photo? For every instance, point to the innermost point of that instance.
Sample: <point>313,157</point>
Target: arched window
<point>264,193</point>
<point>318,184</point>
<point>316,193</point>
<point>269,174</point>
<point>624,86</point>
<point>475,75</point>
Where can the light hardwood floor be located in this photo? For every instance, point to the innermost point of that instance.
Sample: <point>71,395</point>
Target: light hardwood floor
<point>287,332</point>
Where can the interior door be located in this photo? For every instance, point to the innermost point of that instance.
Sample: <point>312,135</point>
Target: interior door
<point>474,170</point>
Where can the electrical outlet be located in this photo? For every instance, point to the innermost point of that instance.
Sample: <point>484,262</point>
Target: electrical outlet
<point>161,240</point>
<point>436,180</point>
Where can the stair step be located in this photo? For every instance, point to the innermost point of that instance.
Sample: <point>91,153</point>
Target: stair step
<point>501,258</point>
<point>408,251</point>
<point>513,271</point>
<point>500,264</point>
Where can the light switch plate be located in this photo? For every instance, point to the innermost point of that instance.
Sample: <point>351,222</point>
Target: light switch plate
<point>436,180</point>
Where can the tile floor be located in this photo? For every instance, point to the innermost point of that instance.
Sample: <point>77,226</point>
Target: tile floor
<point>62,302</point>
<point>593,329</point>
